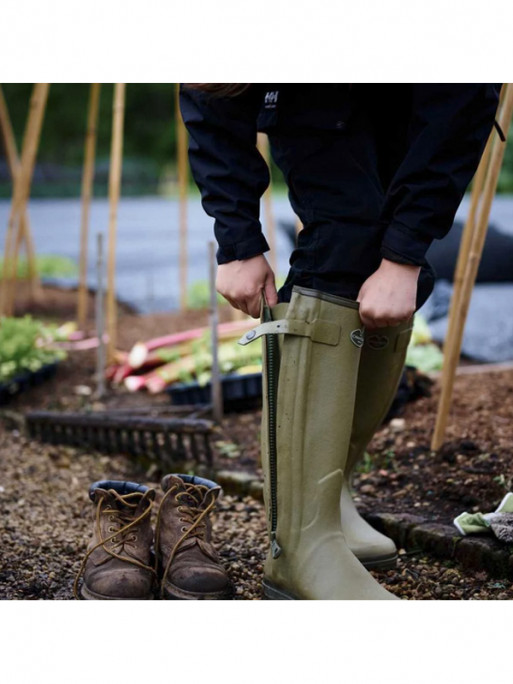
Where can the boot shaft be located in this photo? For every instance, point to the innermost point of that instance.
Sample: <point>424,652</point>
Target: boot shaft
<point>381,365</point>
<point>310,387</point>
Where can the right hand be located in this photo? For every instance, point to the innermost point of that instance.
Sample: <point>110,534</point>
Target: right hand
<point>242,283</point>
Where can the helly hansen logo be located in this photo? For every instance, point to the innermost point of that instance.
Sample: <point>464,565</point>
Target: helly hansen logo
<point>271,99</point>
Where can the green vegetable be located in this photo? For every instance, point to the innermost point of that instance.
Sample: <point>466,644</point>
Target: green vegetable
<point>25,345</point>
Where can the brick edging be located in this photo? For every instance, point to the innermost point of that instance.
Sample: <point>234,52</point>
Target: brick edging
<point>476,552</point>
<point>409,532</point>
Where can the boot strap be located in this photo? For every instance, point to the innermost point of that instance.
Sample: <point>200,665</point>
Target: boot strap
<point>324,332</point>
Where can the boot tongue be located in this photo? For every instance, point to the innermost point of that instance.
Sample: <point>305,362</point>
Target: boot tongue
<point>190,494</point>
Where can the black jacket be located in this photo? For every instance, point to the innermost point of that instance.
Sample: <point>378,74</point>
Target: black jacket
<point>430,137</point>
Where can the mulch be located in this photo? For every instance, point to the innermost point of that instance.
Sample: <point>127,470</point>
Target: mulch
<point>47,514</point>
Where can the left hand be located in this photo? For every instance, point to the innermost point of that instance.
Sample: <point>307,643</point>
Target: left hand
<point>388,296</point>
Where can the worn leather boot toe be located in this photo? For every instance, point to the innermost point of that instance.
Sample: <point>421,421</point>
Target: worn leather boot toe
<point>188,562</point>
<point>117,563</point>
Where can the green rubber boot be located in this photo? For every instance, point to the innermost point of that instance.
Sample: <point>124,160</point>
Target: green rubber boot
<point>309,394</point>
<point>381,364</point>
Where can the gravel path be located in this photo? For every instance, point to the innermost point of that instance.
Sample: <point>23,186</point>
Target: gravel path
<point>47,513</point>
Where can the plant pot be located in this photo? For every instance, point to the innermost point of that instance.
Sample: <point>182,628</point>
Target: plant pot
<point>240,392</point>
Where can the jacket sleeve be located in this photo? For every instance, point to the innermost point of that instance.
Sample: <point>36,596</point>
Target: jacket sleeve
<point>227,167</point>
<point>448,130</point>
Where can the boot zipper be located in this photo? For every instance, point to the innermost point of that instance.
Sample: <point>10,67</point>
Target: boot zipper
<point>272,357</point>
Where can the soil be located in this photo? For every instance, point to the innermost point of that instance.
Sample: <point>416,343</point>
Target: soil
<point>47,513</point>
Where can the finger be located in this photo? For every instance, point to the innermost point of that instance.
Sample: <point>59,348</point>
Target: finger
<point>271,294</point>
<point>253,306</point>
<point>381,323</point>
<point>367,319</point>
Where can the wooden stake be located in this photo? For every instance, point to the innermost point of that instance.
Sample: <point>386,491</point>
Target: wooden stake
<point>217,389</point>
<point>183,182</point>
<point>100,320</point>
<point>87,193</point>
<point>22,180</point>
<point>263,147</point>
<point>13,163</point>
<point>116,163</point>
<point>459,313</point>
<point>466,243</point>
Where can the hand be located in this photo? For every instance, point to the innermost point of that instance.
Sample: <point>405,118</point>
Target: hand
<point>389,296</point>
<point>242,283</point>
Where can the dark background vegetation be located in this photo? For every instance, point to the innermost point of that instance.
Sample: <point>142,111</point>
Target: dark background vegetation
<point>149,141</point>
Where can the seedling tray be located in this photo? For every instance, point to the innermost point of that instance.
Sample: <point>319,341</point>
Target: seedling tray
<point>24,381</point>
<point>240,392</point>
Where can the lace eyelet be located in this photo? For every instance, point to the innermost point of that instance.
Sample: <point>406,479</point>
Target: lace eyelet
<point>181,520</point>
<point>114,540</point>
<point>184,529</point>
<point>111,529</point>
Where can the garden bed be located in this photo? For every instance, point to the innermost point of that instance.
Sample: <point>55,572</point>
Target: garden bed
<point>46,511</point>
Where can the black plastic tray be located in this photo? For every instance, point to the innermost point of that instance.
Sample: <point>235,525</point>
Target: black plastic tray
<point>24,381</point>
<point>240,392</point>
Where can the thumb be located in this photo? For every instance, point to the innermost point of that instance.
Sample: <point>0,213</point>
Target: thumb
<point>270,290</point>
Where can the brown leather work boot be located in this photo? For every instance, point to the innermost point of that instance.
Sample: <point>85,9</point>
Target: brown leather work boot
<point>189,564</point>
<point>117,564</point>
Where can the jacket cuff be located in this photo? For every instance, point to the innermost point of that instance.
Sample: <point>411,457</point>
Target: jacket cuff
<point>246,249</point>
<point>404,245</point>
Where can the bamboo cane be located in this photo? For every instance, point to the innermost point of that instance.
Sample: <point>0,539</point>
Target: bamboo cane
<point>468,234</point>
<point>216,386</point>
<point>116,162</point>
<point>263,147</point>
<point>183,181</point>
<point>87,192</point>
<point>21,190</point>
<point>452,352</point>
<point>13,163</point>
<point>100,319</point>
<point>466,242</point>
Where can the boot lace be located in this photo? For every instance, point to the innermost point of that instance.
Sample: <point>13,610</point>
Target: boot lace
<point>193,515</point>
<point>123,529</point>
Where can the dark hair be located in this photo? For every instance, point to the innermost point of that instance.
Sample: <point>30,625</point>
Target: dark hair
<point>220,89</point>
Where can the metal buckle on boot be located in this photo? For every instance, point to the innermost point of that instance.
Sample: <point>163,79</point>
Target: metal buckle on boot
<point>378,342</point>
<point>357,338</point>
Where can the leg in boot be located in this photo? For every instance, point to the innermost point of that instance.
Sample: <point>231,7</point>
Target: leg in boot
<point>117,563</point>
<point>381,364</point>
<point>188,562</point>
<point>316,383</point>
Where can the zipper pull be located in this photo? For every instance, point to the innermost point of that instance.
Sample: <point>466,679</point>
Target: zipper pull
<point>275,547</point>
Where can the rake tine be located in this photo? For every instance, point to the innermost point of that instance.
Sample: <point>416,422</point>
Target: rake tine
<point>194,446</point>
<point>168,447</point>
<point>130,443</point>
<point>155,445</point>
<point>180,447</point>
<point>208,450</point>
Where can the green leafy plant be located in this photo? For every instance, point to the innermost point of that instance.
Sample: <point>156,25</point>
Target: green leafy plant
<point>48,266</point>
<point>198,295</point>
<point>25,345</point>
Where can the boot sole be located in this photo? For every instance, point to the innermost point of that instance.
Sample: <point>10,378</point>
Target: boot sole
<point>173,593</point>
<point>273,593</point>
<point>382,563</point>
<point>89,595</point>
